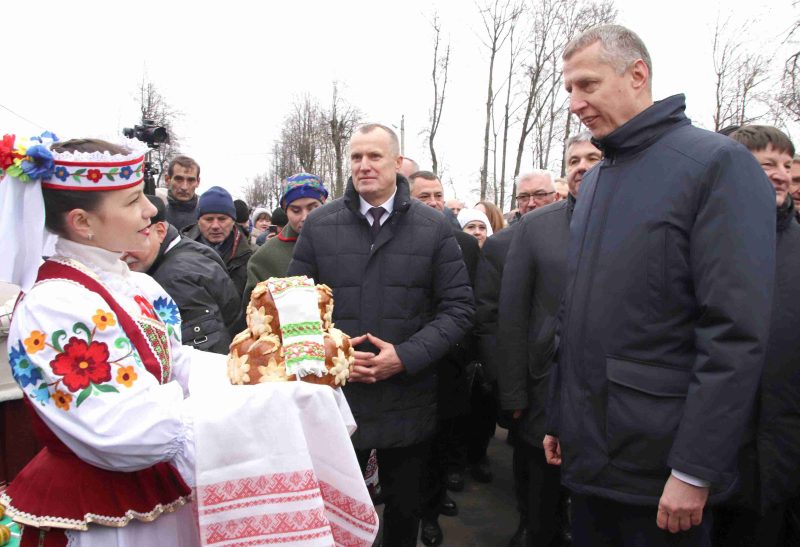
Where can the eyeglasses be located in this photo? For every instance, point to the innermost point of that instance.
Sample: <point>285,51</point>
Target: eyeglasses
<point>536,196</point>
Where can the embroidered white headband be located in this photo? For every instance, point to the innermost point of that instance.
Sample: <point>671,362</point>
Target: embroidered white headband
<point>27,166</point>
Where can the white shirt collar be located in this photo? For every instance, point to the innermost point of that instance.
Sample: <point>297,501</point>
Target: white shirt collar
<point>387,205</point>
<point>97,259</point>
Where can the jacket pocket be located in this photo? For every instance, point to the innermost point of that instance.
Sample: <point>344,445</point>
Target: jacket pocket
<point>543,350</point>
<point>656,270</point>
<point>644,408</point>
<point>206,333</point>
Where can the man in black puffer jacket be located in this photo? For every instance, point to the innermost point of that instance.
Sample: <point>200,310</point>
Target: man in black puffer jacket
<point>194,276</point>
<point>401,287</point>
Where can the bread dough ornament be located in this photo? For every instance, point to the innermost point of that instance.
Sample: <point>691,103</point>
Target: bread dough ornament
<point>290,336</point>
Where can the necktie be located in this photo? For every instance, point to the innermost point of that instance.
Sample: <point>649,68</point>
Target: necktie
<point>376,213</point>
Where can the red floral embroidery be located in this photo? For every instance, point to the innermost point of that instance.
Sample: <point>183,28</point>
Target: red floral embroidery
<point>146,307</point>
<point>94,175</point>
<point>81,364</point>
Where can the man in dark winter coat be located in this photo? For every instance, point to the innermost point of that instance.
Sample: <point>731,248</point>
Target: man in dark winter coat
<point>487,298</point>
<point>182,179</point>
<point>530,295</point>
<point>302,193</point>
<point>765,510</point>
<point>194,276</point>
<point>216,227</point>
<point>401,288</point>
<point>448,453</point>
<point>665,319</point>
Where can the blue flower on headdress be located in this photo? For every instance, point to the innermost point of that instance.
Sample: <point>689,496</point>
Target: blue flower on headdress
<point>39,163</point>
<point>24,372</point>
<point>167,310</point>
<point>47,135</point>
<point>126,172</point>
<point>61,173</point>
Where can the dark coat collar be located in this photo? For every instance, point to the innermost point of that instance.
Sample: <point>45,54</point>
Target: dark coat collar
<point>402,199</point>
<point>172,233</point>
<point>644,129</point>
<point>786,214</point>
<point>179,205</point>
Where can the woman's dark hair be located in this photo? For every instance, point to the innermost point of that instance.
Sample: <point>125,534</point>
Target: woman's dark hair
<point>57,203</point>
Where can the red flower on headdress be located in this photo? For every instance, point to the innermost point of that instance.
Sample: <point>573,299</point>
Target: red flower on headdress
<point>82,363</point>
<point>94,175</point>
<point>7,151</point>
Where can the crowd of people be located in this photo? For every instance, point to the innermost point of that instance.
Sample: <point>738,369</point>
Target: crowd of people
<point>633,325</point>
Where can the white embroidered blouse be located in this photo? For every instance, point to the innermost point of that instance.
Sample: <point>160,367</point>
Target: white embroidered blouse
<point>85,379</point>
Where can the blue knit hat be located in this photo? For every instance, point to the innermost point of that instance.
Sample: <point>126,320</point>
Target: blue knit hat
<point>303,185</point>
<point>216,200</point>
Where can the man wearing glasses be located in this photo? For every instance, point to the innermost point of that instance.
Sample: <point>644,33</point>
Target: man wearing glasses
<point>534,189</point>
<point>183,178</point>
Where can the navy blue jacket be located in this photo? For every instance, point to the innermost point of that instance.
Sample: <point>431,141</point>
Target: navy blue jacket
<point>667,307</point>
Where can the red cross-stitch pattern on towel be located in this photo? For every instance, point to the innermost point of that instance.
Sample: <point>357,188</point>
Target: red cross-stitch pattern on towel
<point>350,506</point>
<point>262,485</point>
<point>343,538</point>
<point>265,525</point>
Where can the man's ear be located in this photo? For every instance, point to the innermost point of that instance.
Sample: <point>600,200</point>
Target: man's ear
<point>640,75</point>
<point>161,230</point>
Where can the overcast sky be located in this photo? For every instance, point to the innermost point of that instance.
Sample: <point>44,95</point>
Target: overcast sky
<point>234,68</point>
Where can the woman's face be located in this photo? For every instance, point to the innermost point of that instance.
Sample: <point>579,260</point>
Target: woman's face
<point>477,229</point>
<point>262,222</point>
<point>121,222</point>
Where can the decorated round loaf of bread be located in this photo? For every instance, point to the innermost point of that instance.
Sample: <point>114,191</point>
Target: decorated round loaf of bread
<point>257,354</point>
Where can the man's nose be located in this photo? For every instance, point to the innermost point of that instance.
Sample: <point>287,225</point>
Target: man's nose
<point>782,176</point>
<point>576,103</point>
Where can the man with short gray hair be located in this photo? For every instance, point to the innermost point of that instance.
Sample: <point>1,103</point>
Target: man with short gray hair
<point>534,189</point>
<point>530,294</point>
<point>408,167</point>
<point>666,311</point>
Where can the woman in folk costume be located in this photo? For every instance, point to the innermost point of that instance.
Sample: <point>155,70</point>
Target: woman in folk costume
<point>96,349</point>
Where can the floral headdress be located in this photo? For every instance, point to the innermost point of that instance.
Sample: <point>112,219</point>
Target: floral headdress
<point>81,171</point>
<point>26,161</point>
<point>27,166</point>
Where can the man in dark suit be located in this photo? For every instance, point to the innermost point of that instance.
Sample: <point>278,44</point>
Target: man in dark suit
<point>530,294</point>
<point>448,449</point>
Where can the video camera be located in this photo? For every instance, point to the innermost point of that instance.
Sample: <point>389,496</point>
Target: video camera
<point>153,136</point>
<point>149,133</point>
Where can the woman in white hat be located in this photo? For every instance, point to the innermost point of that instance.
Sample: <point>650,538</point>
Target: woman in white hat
<point>475,223</point>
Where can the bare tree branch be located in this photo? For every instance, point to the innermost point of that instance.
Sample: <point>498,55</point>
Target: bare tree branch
<point>438,74</point>
<point>498,19</point>
<point>739,74</point>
